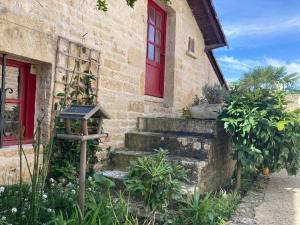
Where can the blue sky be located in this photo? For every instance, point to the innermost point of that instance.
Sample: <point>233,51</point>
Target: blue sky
<point>259,32</point>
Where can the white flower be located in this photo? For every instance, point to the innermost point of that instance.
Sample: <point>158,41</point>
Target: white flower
<point>45,196</point>
<point>51,180</point>
<point>89,189</point>
<point>90,178</point>
<point>14,210</point>
<point>49,210</point>
<point>73,192</point>
<point>2,189</point>
<point>63,180</point>
<point>3,218</point>
<point>69,184</point>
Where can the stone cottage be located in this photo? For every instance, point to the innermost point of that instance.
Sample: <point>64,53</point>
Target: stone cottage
<point>149,61</point>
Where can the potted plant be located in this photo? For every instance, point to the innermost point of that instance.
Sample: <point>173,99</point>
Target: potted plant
<point>210,105</point>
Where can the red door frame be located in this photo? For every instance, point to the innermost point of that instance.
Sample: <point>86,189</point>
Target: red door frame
<point>26,101</point>
<point>158,90</point>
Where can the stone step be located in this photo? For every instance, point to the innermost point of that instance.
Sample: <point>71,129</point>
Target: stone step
<point>180,144</point>
<point>120,160</point>
<point>118,176</point>
<point>164,124</point>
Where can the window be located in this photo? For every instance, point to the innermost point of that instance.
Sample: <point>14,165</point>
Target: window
<point>191,46</point>
<point>154,81</point>
<point>18,108</point>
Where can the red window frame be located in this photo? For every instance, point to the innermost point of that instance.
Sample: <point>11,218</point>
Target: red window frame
<point>155,65</point>
<point>26,102</point>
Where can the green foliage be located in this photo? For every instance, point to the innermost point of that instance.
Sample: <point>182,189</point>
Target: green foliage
<point>66,160</point>
<point>102,4</point>
<point>268,77</point>
<point>210,210</point>
<point>225,204</point>
<point>156,180</point>
<point>185,113</point>
<point>264,133</point>
<point>100,210</point>
<point>213,94</point>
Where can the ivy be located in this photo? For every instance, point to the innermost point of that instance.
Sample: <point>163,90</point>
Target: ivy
<point>102,4</point>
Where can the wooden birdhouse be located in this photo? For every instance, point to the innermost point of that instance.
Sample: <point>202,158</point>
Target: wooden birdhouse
<point>85,117</point>
<point>88,116</point>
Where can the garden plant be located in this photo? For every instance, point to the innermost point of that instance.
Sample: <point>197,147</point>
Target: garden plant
<point>264,132</point>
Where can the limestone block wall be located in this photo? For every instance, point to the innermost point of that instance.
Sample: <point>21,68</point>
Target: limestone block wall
<point>220,165</point>
<point>294,101</point>
<point>29,31</point>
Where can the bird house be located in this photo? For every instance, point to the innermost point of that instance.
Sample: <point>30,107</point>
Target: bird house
<point>86,116</point>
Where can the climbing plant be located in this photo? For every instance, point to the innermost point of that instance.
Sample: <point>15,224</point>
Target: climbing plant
<point>264,133</point>
<point>102,4</point>
<point>79,91</point>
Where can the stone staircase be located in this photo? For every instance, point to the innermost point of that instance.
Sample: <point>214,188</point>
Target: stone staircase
<point>200,146</point>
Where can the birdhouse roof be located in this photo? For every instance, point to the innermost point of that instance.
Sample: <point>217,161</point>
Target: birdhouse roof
<point>83,112</point>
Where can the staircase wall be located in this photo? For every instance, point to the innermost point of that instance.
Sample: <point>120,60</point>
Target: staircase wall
<point>220,165</point>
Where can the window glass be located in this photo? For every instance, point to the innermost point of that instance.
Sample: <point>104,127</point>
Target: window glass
<point>157,55</point>
<point>158,20</point>
<point>150,51</point>
<point>158,37</point>
<point>151,33</point>
<point>152,15</point>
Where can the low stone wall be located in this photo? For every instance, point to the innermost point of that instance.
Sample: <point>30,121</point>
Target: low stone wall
<point>10,164</point>
<point>220,165</point>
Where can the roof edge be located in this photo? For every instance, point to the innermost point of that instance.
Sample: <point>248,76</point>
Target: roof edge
<point>217,68</point>
<point>212,14</point>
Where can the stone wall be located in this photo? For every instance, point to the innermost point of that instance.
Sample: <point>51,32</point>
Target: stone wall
<point>29,31</point>
<point>294,101</point>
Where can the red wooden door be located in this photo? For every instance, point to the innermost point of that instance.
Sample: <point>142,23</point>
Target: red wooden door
<point>154,81</point>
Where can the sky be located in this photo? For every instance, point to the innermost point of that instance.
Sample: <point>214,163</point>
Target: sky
<point>259,32</point>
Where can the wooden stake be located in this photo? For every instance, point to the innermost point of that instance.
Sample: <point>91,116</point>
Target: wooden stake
<point>83,146</point>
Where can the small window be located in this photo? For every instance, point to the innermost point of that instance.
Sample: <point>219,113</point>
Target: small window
<point>191,46</point>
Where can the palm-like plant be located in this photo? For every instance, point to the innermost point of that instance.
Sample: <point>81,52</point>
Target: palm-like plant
<point>268,77</point>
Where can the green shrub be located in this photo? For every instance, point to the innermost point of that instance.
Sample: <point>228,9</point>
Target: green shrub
<point>156,180</point>
<point>208,210</point>
<point>102,209</point>
<point>225,204</point>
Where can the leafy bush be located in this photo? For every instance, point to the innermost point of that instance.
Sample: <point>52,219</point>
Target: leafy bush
<point>156,180</point>
<point>210,210</point>
<point>102,209</point>
<point>264,133</point>
<point>225,204</point>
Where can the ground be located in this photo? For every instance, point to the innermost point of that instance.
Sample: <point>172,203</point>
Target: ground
<point>271,201</point>
<point>281,205</point>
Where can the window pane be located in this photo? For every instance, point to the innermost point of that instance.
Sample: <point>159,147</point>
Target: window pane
<point>152,15</point>
<point>157,55</point>
<point>158,37</point>
<point>12,82</point>
<point>151,33</point>
<point>150,51</point>
<point>158,20</point>
<point>11,120</point>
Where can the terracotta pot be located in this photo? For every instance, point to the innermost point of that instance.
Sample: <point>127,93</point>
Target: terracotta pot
<point>205,111</point>
<point>266,172</point>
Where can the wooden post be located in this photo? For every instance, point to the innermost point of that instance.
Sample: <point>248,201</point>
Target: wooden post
<point>83,149</point>
<point>83,146</point>
<point>68,126</point>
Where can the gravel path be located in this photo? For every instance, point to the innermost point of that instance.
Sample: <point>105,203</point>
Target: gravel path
<point>281,205</point>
